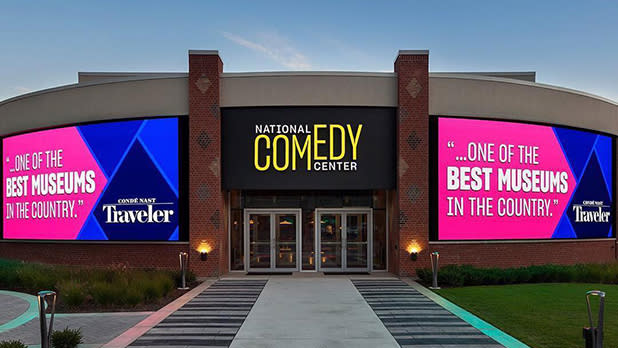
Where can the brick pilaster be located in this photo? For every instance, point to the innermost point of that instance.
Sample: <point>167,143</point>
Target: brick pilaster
<point>412,69</point>
<point>206,198</point>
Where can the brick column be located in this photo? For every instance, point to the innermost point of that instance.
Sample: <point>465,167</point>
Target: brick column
<point>206,198</point>
<point>412,69</point>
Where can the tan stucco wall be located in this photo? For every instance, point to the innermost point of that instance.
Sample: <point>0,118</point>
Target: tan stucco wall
<point>450,95</point>
<point>454,95</point>
<point>93,102</point>
<point>371,89</point>
<point>503,99</point>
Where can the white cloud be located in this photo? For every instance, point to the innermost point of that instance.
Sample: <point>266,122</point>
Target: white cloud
<point>275,47</point>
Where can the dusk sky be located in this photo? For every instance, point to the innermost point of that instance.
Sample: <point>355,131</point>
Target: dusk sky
<point>571,44</point>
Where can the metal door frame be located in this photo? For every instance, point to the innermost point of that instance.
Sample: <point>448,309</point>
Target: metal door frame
<point>344,236</point>
<point>272,212</point>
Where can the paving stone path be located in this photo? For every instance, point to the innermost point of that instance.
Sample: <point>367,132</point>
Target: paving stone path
<point>416,321</point>
<point>12,307</point>
<point>211,319</point>
<point>19,321</point>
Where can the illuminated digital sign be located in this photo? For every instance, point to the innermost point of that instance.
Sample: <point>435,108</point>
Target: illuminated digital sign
<point>508,180</point>
<point>104,181</point>
<point>308,148</point>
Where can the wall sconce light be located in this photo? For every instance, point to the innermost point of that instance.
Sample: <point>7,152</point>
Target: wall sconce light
<point>413,250</point>
<point>204,248</point>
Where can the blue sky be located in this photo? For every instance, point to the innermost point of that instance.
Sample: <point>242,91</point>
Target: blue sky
<point>572,44</point>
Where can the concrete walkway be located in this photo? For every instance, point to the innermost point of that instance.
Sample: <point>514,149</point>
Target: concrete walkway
<point>320,311</point>
<point>277,311</point>
<point>312,312</point>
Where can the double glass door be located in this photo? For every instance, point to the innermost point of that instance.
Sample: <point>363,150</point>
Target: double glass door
<point>271,240</point>
<point>344,240</point>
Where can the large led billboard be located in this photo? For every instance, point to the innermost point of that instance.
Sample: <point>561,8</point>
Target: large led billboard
<point>102,181</point>
<point>511,180</point>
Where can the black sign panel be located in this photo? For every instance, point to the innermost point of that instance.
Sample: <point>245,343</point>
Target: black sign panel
<point>308,148</point>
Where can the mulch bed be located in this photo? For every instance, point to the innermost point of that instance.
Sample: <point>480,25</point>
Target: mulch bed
<point>90,307</point>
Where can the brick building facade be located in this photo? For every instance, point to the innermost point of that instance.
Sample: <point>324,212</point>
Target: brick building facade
<point>220,219</point>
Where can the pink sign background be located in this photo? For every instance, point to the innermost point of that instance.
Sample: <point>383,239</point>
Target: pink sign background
<point>460,132</point>
<point>75,157</point>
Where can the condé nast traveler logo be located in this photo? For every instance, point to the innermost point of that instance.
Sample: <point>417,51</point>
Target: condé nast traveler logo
<point>137,210</point>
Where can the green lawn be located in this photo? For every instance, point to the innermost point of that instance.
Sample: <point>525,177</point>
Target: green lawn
<point>540,315</point>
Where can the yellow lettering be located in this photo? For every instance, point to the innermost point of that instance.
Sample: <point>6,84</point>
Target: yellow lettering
<point>256,150</point>
<point>354,139</point>
<point>317,142</point>
<point>301,151</point>
<point>276,151</point>
<point>332,142</point>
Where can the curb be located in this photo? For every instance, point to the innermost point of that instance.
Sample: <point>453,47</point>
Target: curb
<point>486,328</point>
<point>127,337</point>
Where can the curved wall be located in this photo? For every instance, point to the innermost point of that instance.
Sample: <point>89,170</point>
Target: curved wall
<point>519,100</point>
<point>449,95</point>
<point>94,102</point>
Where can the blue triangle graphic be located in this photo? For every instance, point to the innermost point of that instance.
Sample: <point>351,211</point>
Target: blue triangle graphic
<point>590,187</point>
<point>160,139</point>
<point>577,146</point>
<point>611,232</point>
<point>109,141</point>
<point>564,229</point>
<point>91,230</point>
<point>603,148</point>
<point>174,235</point>
<point>150,183</point>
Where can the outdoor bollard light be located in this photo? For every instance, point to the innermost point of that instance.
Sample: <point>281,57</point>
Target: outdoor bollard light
<point>593,336</point>
<point>45,298</point>
<point>184,258</point>
<point>434,269</point>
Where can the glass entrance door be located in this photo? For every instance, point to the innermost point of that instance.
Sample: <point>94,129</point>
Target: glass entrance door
<point>271,240</point>
<point>286,231</point>
<point>259,241</point>
<point>331,241</point>
<point>357,245</point>
<point>344,240</point>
